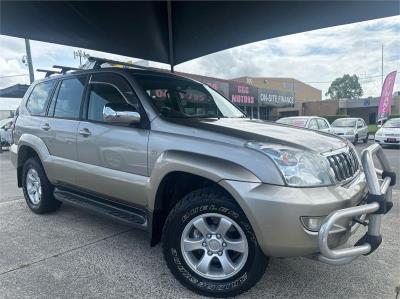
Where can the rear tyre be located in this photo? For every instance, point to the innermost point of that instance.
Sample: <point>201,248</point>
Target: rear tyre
<point>210,247</point>
<point>38,191</point>
<point>365,140</point>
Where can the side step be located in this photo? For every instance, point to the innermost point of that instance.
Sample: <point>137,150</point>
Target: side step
<point>120,212</point>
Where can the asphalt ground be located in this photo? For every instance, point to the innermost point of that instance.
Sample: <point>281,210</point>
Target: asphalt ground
<point>74,253</point>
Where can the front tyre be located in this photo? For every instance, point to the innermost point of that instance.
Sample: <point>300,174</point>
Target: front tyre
<point>355,139</point>
<point>38,191</point>
<point>210,247</point>
<point>365,140</point>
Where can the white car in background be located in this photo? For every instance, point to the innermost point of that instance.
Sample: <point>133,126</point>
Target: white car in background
<point>309,122</point>
<point>5,132</point>
<point>353,129</point>
<point>389,133</point>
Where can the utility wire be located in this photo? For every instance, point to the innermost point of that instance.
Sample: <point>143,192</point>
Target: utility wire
<point>13,76</point>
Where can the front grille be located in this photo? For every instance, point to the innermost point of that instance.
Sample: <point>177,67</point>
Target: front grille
<point>344,165</point>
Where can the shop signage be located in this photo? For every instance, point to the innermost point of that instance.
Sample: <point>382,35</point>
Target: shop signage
<point>242,93</point>
<point>275,98</point>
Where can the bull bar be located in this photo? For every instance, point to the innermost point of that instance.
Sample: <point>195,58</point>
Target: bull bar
<point>378,203</point>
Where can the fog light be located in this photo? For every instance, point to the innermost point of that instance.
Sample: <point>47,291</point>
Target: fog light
<point>312,223</point>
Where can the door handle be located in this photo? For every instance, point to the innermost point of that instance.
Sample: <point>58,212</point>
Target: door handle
<point>46,127</point>
<point>85,132</point>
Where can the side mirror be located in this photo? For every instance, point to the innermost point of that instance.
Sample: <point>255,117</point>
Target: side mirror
<point>121,114</point>
<point>379,126</point>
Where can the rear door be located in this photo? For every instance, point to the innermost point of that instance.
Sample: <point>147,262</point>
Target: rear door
<point>59,128</point>
<point>113,157</point>
<point>362,129</point>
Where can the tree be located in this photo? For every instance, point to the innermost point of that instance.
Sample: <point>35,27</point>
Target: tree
<point>345,87</point>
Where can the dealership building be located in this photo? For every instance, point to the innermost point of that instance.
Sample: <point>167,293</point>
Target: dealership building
<point>262,98</point>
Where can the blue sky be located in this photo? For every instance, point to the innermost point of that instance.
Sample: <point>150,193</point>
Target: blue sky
<point>317,57</point>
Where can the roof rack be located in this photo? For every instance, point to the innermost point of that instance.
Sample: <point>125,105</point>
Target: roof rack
<point>65,69</point>
<point>48,72</point>
<point>96,62</point>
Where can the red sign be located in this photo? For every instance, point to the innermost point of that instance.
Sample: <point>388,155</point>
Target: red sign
<point>385,103</point>
<point>242,94</point>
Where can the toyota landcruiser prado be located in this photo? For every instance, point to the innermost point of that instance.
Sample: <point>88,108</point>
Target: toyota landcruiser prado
<point>172,156</point>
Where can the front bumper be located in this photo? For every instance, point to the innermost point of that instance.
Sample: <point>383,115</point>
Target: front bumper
<point>275,211</point>
<point>387,140</point>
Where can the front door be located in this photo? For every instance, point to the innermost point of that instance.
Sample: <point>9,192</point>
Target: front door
<point>113,156</point>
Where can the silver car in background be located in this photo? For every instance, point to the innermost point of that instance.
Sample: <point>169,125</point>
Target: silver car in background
<point>5,132</point>
<point>389,133</point>
<point>353,129</point>
<point>308,122</point>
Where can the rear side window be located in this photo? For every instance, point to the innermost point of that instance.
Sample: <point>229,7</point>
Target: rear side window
<point>37,100</point>
<point>68,102</point>
<point>322,123</point>
<point>313,125</point>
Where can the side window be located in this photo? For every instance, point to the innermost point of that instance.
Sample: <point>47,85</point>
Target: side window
<point>120,83</point>
<point>313,125</point>
<point>37,100</point>
<point>100,95</point>
<point>359,124</point>
<point>322,123</point>
<point>69,98</point>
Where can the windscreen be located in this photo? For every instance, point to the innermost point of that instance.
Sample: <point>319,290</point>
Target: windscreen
<point>344,123</point>
<point>392,123</point>
<point>297,122</point>
<point>186,99</point>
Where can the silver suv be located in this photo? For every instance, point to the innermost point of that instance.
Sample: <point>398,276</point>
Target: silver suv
<point>172,156</point>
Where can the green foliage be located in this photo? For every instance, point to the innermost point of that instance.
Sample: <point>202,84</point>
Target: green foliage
<point>372,128</point>
<point>346,87</point>
<point>332,118</point>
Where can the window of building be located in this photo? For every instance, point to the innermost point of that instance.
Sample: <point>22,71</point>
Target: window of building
<point>37,101</point>
<point>69,98</point>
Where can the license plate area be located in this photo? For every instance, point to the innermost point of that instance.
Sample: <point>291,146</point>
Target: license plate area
<point>392,140</point>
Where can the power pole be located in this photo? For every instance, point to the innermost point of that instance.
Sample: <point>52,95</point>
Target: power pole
<point>80,54</point>
<point>382,68</point>
<point>29,60</point>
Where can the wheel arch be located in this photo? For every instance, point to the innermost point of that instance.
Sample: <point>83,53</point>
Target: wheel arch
<point>176,174</point>
<point>30,146</point>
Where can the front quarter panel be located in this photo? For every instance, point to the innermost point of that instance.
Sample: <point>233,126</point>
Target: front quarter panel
<point>208,167</point>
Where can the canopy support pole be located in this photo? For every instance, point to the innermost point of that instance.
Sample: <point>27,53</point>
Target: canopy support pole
<point>170,37</point>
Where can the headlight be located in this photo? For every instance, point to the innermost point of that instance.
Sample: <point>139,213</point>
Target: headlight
<point>350,132</point>
<point>379,133</point>
<point>299,168</point>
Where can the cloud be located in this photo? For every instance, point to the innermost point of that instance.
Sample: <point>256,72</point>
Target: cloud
<point>317,56</point>
<point>314,56</point>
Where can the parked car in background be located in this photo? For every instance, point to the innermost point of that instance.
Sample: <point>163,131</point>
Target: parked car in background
<point>353,129</point>
<point>5,132</point>
<point>309,122</point>
<point>389,133</point>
